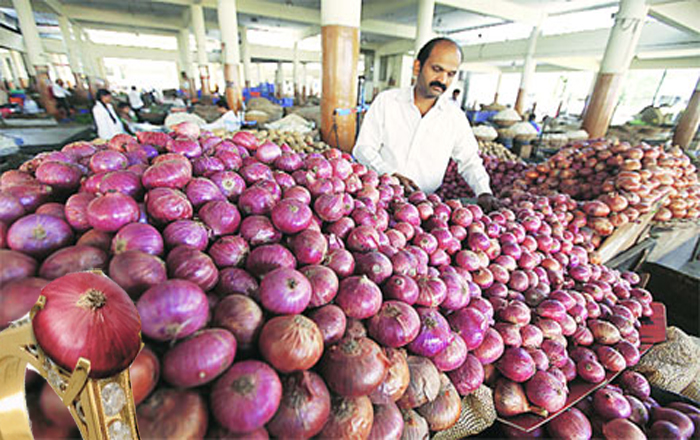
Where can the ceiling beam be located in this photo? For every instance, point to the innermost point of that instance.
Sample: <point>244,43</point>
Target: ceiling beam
<point>97,15</point>
<point>505,9</point>
<point>392,30</point>
<point>684,16</point>
<point>377,9</point>
<point>125,28</point>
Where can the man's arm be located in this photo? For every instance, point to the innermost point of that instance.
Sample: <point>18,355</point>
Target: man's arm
<point>369,141</point>
<point>469,164</point>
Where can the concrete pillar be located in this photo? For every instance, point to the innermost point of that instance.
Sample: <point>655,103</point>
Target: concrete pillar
<point>621,47</point>
<point>186,63</point>
<point>7,73</point>
<point>245,54</point>
<point>72,52</point>
<point>295,71</point>
<point>688,124</point>
<point>18,70</point>
<point>260,73</point>
<point>304,83</point>
<point>200,35</point>
<point>376,70</point>
<point>279,79</point>
<point>88,60</point>
<point>35,52</point>
<point>228,26</point>
<point>498,87</point>
<point>340,38</point>
<point>424,30</point>
<point>529,67</point>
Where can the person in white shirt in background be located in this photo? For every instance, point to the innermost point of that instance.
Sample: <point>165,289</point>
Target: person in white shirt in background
<point>61,95</point>
<point>413,132</point>
<point>228,120</point>
<point>135,100</point>
<point>106,119</point>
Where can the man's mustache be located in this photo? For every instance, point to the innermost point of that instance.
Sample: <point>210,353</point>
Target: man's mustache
<point>438,84</point>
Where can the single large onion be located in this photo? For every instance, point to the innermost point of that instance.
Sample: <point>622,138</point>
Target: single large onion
<point>79,308</point>
<point>395,325</point>
<point>285,291</point>
<point>38,235</point>
<point>443,412</point>
<point>137,271</point>
<point>396,381</point>
<point>354,367</point>
<point>246,397</point>
<point>291,343</point>
<point>424,385</point>
<point>242,317</point>
<point>165,205</point>
<point>304,408</point>
<point>266,258</point>
<point>173,309</point>
<point>199,359</point>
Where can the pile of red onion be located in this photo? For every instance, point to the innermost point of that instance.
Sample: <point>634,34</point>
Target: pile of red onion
<point>283,292</point>
<point>502,173</point>
<point>622,410</point>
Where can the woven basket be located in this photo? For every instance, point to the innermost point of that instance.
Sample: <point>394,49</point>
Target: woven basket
<point>478,414</point>
<point>672,365</point>
<point>692,391</point>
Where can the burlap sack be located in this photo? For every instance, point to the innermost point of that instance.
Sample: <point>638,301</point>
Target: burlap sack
<point>671,365</point>
<point>692,391</point>
<point>478,413</point>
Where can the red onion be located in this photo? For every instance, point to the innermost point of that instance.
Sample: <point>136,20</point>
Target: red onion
<point>266,258</point>
<point>431,292</point>
<point>629,352</point>
<point>190,264</point>
<point>388,422</point>
<point>139,237</point>
<point>452,356</point>
<point>610,404</point>
<point>229,251</point>
<point>17,297</point>
<point>30,195</point>
<point>186,232</point>
<point>341,262</point>
<point>395,325</point>
<point>256,200</point>
<point>571,424</point>
<point>354,367</point>
<point>99,239</point>
<point>221,217</point>
<point>309,247</point>
<point>516,364</point>
<point>10,208</point>
<point>201,190</point>
<point>635,384</point>
<point>359,297</point>
<point>510,400</point>
<point>610,358</point>
<point>331,321</point>
<point>199,359</point>
<point>624,429</point>
<point>76,211</point>
<point>491,349</point>
<point>229,183</point>
<point>72,259</point>
<point>285,291</point>
<point>246,397</point>
<point>291,216</point>
<point>234,280</point>
<point>78,305</point>
<point>242,317</point>
<point>470,324</point>
<point>172,412</point>
<point>304,408</point>
<point>258,229</point>
<point>291,343</point>
<point>376,266</point>
<point>545,391</point>
<point>107,160</point>
<point>443,412</point>
<point>402,288</point>
<point>349,418</point>
<point>469,376</point>
<point>144,374</point>
<point>39,234</point>
<point>324,284</point>
<point>168,173</point>
<point>165,205</point>
<point>173,309</point>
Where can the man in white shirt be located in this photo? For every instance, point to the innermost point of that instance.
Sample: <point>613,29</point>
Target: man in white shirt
<point>106,119</point>
<point>227,121</point>
<point>413,132</point>
<point>61,96</point>
<point>135,99</point>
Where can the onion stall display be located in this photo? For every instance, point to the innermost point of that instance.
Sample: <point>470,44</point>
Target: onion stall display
<point>284,292</point>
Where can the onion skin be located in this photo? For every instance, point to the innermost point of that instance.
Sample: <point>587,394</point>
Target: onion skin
<point>242,317</point>
<point>396,381</point>
<point>291,343</point>
<point>137,271</point>
<point>139,237</point>
<point>469,376</point>
<point>516,364</point>
<point>285,291</point>
<point>545,391</point>
<point>611,404</point>
<point>359,297</point>
<point>622,429</point>
<point>351,417</point>
<point>443,412</point>
<point>395,325</point>
<point>681,421</point>
<point>571,424</point>
<point>424,385</point>
<point>415,427</point>
<point>304,408</point>
<point>199,359</point>
<point>246,397</point>
<point>72,259</point>
<point>331,321</point>
<point>176,413</point>
<point>105,305</point>
<point>354,367</point>
<point>188,263</point>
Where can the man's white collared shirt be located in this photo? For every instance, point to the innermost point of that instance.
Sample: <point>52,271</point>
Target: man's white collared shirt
<point>395,138</point>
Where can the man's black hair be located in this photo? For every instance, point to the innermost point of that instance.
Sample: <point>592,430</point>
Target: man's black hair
<point>121,105</point>
<point>427,49</point>
<point>222,103</point>
<point>101,93</point>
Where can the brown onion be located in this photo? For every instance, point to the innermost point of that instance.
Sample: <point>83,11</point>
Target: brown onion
<point>351,417</point>
<point>354,366</point>
<point>442,412</point>
<point>396,381</point>
<point>424,385</point>
<point>291,343</point>
<point>415,427</point>
<point>304,408</point>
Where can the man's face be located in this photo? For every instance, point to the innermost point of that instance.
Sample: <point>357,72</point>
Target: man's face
<point>439,70</point>
<point>107,99</point>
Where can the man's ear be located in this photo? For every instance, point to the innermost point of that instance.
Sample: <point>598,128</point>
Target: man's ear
<point>416,68</point>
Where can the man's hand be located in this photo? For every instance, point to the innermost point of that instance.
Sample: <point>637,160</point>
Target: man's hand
<point>408,184</point>
<point>488,202</point>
